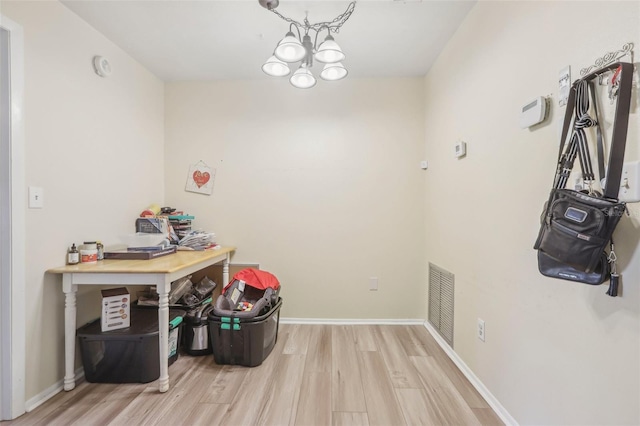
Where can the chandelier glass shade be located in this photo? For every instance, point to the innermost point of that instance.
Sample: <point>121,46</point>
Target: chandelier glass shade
<point>298,47</point>
<point>290,49</point>
<point>329,52</point>
<point>275,67</point>
<point>333,72</point>
<point>303,78</point>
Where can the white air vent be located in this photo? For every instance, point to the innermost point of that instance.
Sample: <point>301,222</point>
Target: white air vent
<point>441,291</point>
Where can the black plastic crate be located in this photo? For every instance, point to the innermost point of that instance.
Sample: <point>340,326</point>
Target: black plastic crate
<point>245,342</point>
<point>128,355</point>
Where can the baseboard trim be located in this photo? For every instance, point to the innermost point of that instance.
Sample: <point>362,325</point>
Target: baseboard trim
<point>50,392</point>
<point>475,381</point>
<point>351,321</point>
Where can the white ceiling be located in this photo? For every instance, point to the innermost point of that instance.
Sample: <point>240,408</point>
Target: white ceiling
<point>212,39</point>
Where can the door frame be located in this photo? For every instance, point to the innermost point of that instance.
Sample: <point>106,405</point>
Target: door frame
<point>12,239</point>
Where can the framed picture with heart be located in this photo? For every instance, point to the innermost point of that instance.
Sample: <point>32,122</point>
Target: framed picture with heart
<point>200,178</point>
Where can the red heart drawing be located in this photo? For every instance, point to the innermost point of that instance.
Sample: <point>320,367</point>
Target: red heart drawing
<point>200,178</point>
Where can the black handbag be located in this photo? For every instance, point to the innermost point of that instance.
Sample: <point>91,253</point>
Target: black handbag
<point>552,268</point>
<point>577,226</point>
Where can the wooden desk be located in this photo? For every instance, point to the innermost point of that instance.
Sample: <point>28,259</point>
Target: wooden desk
<point>159,272</point>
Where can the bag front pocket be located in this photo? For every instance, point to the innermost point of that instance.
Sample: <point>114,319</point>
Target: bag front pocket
<point>582,218</point>
<point>572,247</point>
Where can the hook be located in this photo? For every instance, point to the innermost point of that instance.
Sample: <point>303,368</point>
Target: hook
<point>599,78</point>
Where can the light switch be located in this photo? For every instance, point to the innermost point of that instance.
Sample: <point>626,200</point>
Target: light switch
<point>630,182</point>
<point>36,197</point>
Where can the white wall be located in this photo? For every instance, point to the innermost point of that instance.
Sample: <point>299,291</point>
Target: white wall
<point>320,187</point>
<point>556,352</point>
<point>96,147</point>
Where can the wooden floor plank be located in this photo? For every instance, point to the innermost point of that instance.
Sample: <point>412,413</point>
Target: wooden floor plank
<point>342,418</point>
<point>116,399</point>
<point>314,408</point>
<point>205,414</point>
<point>487,417</point>
<point>414,406</point>
<point>43,414</point>
<point>150,402</point>
<point>319,352</point>
<point>431,374</point>
<point>249,401</point>
<point>468,392</point>
<point>364,336</point>
<point>140,408</point>
<point>74,409</point>
<point>282,396</point>
<point>180,401</point>
<point>411,344</point>
<point>298,339</point>
<point>443,396</point>
<point>401,370</point>
<point>382,404</point>
<point>346,382</point>
<point>223,388</point>
<point>426,344</point>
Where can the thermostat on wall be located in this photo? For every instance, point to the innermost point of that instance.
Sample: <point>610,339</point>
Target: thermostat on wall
<point>533,112</point>
<point>460,149</point>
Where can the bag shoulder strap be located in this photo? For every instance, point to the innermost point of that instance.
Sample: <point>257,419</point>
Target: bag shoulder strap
<point>619,136</point>
<point>578,145</point>
<point>599,140</point>
<point>568,114</point>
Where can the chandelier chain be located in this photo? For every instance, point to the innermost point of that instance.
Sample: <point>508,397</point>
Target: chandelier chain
<point>332,26</point>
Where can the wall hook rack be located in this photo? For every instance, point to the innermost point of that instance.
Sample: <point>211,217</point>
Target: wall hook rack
<point>609,58</point>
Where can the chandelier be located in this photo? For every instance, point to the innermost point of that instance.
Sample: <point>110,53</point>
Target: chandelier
<point>297,47</point>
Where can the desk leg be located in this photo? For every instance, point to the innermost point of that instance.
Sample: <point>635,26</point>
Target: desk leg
<point>225,271</point>
<point>163,335</point>
<point>69,331</point>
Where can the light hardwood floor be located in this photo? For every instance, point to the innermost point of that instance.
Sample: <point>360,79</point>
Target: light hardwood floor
<point>316,375</point>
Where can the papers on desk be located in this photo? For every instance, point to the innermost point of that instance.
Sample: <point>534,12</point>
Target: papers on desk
<point>198,240</point>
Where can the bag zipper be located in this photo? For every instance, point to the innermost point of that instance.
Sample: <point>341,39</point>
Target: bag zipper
<point>575,234</point>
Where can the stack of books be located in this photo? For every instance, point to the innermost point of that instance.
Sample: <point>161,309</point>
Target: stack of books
<point>181,224</point>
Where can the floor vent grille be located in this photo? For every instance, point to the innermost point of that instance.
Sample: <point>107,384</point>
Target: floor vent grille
<point>441,295</point>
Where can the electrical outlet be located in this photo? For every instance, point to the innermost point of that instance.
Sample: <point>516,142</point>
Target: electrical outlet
<point>481,329</point>
<point>373,284</point>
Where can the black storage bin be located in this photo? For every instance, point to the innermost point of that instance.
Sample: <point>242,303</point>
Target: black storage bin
<point>248,342</point>
<point>128,355</point>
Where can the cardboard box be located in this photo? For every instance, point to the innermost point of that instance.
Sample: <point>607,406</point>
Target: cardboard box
<point>116,309</point>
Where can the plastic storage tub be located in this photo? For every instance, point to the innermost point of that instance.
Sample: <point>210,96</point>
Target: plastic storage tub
<point>247,342</point>
<point>128,355</point>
